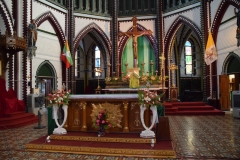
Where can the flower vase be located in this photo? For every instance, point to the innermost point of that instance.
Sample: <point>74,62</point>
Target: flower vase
<point>148,133</point>
<point>60,129</point>
<point>101,131</point>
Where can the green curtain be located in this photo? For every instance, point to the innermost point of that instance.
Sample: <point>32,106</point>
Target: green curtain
<point>145,54</point>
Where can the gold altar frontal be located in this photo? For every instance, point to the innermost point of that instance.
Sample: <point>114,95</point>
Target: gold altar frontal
<point>81,107</point>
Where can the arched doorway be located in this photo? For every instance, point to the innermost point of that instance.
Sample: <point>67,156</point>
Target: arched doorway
<point>229,80</point>
<point>46,78</point>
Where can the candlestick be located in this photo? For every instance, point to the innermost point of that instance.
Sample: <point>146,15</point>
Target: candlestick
<point>142,68</point>
<point>109,65</point>
<point>151,63</point>
<point>126,65</point>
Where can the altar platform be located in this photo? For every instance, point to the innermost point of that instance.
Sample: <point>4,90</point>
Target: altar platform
<point>130,90</point>
<point>112,144</point>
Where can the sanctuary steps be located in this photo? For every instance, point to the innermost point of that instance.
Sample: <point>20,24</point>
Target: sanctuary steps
<point>114,144</point>
<point>17,119</point>
<point>190,108</point>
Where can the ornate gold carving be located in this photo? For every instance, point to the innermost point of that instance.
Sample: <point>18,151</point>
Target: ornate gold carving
<point>83,105</point>
<point>84,116</point>
<point>76,121</point>
<point>125,104</point>
<point>114,112</point>
<point>102,139</point>
<point>104,151</point>
<point>137,120</point>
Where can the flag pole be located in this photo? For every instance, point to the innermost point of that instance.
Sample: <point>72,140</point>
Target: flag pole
<point>66,37</point>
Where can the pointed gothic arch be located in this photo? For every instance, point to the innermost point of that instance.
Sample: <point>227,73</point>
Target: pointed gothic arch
<point>180,20</point>
<point>171,34</point>
<point>99,33</point>
<point>4,12</point>
<point>219,15</point>
<point>227,61</point>
<point>51,71</point>
<point>48,16</point>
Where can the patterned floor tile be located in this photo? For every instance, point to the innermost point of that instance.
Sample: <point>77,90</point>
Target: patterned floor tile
<point>194,137</point>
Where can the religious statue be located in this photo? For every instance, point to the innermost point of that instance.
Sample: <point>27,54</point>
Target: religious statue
<point>238,25</point>
<point>135,34</point>
<point>32,34</point>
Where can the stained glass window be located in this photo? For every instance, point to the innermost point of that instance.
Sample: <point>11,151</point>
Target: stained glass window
<point>188,58</point>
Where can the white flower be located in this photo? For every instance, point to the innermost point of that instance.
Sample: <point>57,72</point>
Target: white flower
<point>147,99</point>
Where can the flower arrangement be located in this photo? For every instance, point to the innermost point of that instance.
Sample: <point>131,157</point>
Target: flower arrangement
<point>59,97</point>
<point>145,96</point>
<point>102,120</point>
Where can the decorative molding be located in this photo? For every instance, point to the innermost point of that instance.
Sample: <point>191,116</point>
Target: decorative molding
<point>102,139</point>
<point>92,27</point>
<point>7,18</point>
<point>219,15</point>
<point>106,151</point>
<point>24,57</point>
<point>48,16</point>
<point>174,28</point>
<point>181,10</point>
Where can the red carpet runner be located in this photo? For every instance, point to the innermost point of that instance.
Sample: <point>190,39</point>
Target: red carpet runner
<point>114,144</point>
<point>190,108</point>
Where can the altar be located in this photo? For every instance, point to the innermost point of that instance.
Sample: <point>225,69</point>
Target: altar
<point>131,90</point>
<point>124,105</point>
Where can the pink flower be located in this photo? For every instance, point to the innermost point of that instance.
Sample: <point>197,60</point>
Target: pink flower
<point>97,120</point>
<point>103,121</point>
<point>102,111</point>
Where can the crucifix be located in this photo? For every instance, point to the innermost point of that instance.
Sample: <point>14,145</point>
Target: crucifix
<point>135,34</point>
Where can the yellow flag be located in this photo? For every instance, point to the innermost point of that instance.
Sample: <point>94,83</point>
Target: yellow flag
<point>211,54</point>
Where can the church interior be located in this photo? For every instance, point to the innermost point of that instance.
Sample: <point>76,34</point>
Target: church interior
<point>118,79</point>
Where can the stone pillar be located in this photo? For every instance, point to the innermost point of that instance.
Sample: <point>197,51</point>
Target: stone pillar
<point>93,6</point>
<point>70,33</point>
<point>142,5</point>
<point>179,2</point>
<point>159,32</point>
<point>80,5</point>
<point>114,35</point>
<point>106,7</point>
<point>87,5</point>
<point>100,6</point>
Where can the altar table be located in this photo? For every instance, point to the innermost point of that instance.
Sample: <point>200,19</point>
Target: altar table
<point>129,90</point>
<point>80,108</point>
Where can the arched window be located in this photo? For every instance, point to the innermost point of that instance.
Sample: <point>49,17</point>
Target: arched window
<point>97,57</point>
<point>190,58</point>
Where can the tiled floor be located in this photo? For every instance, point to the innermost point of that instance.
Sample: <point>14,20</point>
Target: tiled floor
<point>194,137</point>
<point>206,136</point>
